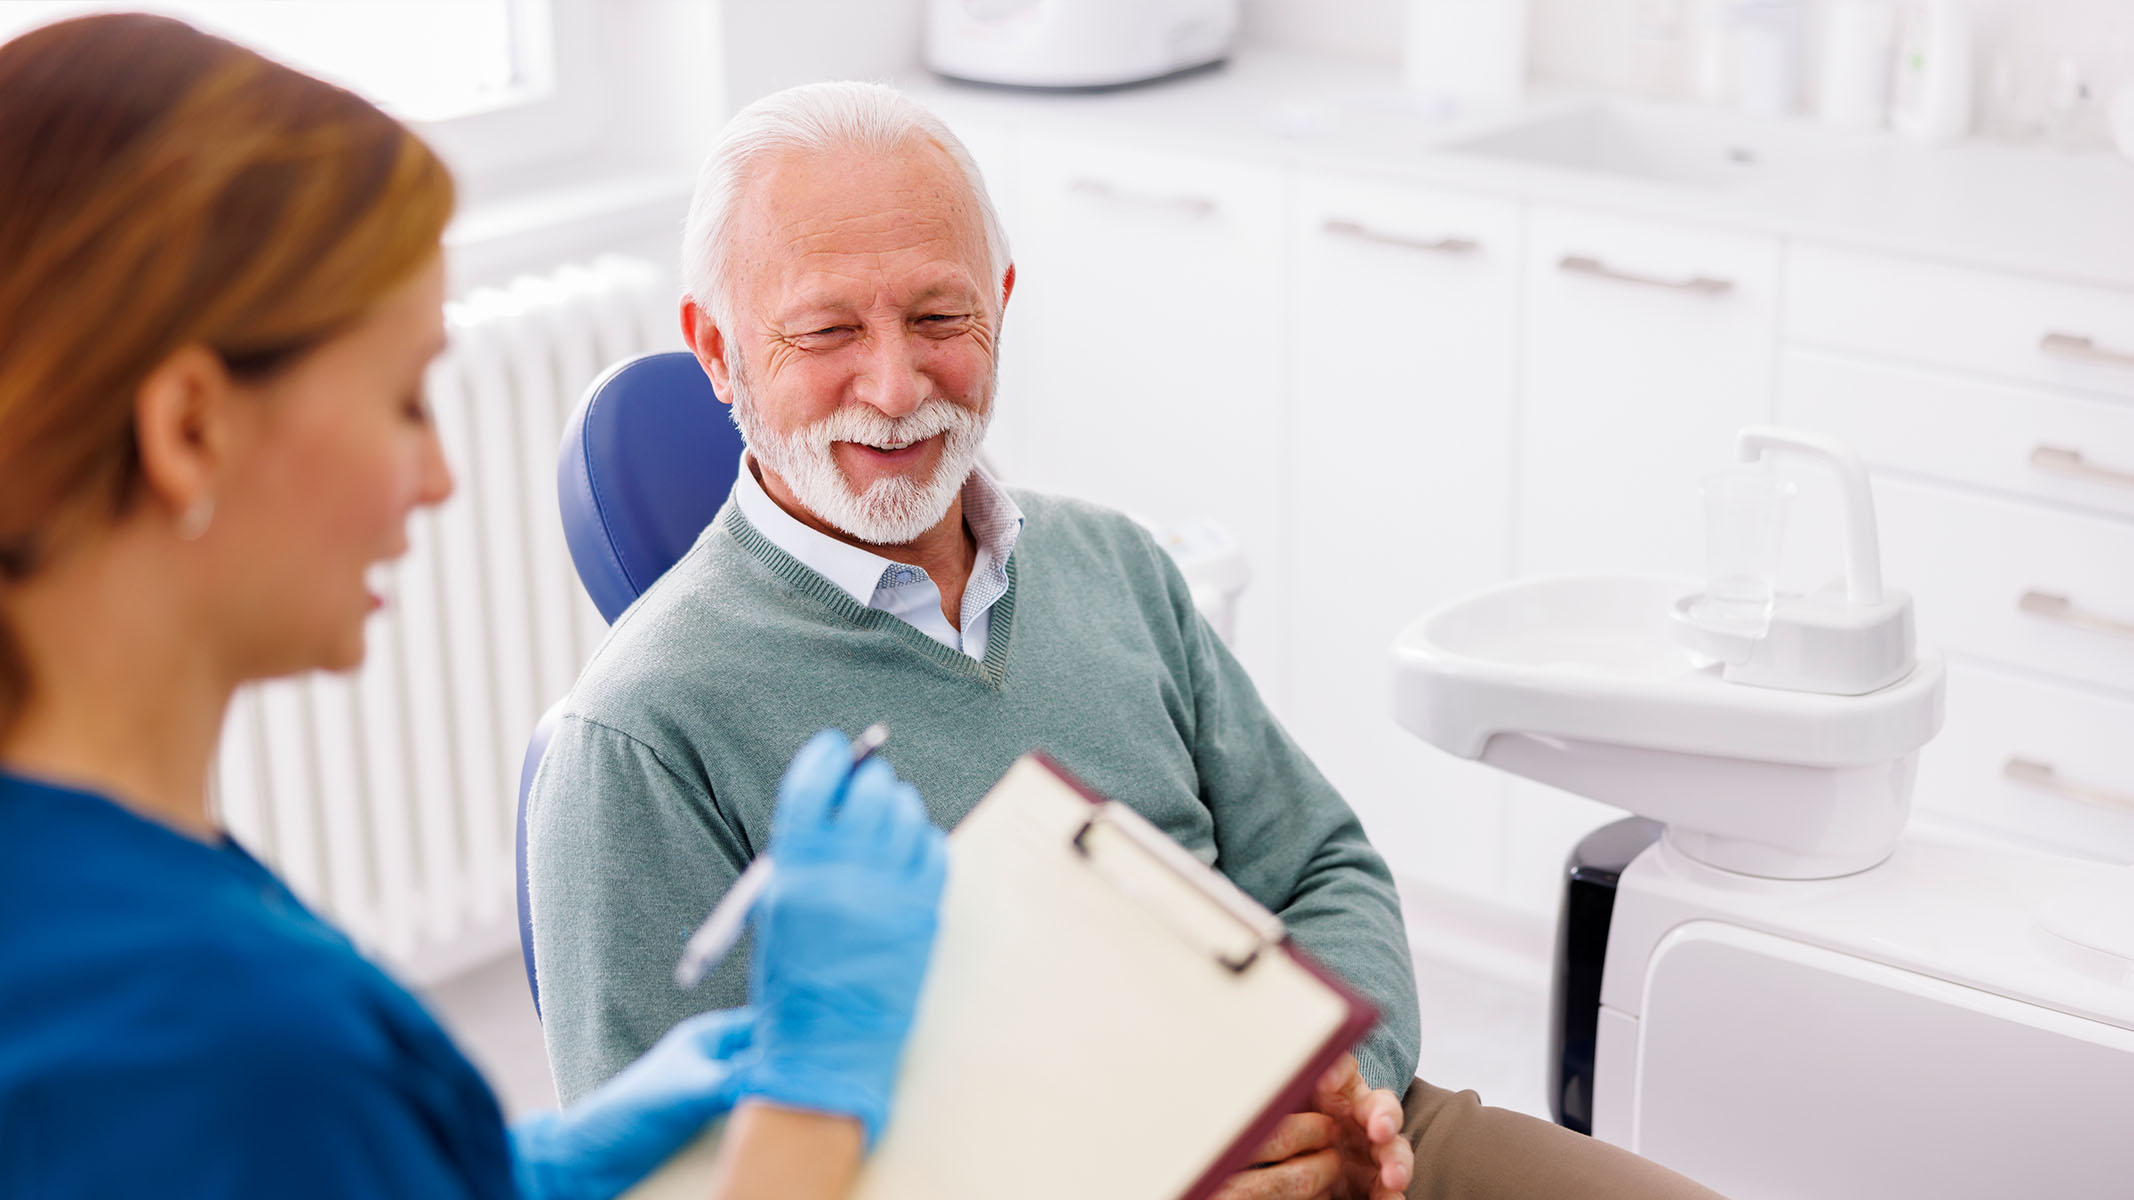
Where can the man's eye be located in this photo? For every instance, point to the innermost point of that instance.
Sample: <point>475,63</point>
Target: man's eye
<point>940,318</point>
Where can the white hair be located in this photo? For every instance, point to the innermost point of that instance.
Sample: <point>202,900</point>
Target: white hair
<point>818,117</point>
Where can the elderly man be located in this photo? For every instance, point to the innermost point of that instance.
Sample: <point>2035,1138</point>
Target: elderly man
<point>846,282</point>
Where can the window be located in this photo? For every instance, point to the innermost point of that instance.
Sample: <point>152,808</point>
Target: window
<point>492,83</point>
<point>422,60</point>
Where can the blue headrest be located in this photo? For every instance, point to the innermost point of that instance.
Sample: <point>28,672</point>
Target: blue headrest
<point>647,460</point>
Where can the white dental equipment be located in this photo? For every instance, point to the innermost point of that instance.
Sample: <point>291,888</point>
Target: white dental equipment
<point>1789,992</point>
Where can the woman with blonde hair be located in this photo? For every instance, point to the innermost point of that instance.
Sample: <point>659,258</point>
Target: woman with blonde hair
<point>220,285</point>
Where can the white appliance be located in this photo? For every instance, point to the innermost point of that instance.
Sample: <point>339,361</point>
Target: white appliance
<point>1076,45</point>
<point>1767,980</point>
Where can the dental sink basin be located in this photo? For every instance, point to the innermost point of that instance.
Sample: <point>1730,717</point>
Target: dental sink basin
<point>1778,736</point>
<point>1647,142</point>
<point>1579,683</point>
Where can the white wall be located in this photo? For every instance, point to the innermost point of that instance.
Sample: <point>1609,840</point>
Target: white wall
<point>1369,30</point>
<point>773,44</point>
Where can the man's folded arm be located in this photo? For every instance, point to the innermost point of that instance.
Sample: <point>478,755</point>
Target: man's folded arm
<point>1289,840</point>
<point>625,857</point>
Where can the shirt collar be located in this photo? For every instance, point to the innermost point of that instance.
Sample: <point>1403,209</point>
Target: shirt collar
<point>994,520</point>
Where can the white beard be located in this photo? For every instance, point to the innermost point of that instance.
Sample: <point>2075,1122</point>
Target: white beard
<point>893,511</point>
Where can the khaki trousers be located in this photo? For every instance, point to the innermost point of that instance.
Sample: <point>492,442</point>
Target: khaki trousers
<point>1466,1151</point>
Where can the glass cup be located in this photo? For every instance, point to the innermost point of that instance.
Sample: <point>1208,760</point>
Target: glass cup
<point>1744,525</point>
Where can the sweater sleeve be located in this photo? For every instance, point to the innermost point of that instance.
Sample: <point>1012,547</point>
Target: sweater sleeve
<point>625,857</point>
<point>1291,842</point>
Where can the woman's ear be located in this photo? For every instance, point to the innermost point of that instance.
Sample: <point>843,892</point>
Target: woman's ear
<point>184,429</point>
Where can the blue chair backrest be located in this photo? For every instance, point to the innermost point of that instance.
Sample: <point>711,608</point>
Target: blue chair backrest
<point>647,459</point>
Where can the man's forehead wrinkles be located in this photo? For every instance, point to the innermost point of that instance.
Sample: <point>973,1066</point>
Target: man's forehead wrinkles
<point>831,288</point>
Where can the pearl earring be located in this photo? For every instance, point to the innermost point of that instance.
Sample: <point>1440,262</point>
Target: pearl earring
<point>194,521</point>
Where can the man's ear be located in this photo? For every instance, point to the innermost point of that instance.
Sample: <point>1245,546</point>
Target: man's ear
<point>185,416</point>
<point>1007,287</point>
<point>708,342</point>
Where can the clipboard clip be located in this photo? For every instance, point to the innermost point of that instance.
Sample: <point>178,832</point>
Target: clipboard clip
<point>1266,929</point>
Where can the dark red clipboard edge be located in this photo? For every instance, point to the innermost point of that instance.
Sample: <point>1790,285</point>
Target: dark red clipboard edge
<point>1362,1014</point>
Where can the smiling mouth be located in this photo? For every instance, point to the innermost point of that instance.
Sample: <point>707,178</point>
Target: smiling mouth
<point>890,448</point>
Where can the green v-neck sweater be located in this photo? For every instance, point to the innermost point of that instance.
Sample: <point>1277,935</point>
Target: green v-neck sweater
<point>659,784</point>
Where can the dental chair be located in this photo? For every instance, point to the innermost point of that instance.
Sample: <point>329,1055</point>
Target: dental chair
<point>646,461</point>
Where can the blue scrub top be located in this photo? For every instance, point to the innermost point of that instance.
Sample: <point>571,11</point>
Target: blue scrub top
<point>173,1022</point>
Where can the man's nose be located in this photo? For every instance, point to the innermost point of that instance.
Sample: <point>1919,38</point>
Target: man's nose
<point>891,381</point>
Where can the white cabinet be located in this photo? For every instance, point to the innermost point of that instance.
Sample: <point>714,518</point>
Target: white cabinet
<point>2028,759</point>
<point>1148,340</point>
<point>2012,582</point>
<point>1395,395</point>
<point>1647,348</point>
<point>2017,439</point>
<point>1991,408</point>
<point>1404,310</point>
<point>2039,330</point>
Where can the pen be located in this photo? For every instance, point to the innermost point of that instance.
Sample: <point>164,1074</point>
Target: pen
<point>715,938</point>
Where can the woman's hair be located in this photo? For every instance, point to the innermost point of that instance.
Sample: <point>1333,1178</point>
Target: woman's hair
<point>167,188</point>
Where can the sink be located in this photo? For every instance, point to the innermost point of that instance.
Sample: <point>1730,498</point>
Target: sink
<point>1579,682</point>
<point>1648,142</point>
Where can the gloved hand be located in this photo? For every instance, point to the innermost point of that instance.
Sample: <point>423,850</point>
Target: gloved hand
<point>619,1132</point>
<point>842,936</point>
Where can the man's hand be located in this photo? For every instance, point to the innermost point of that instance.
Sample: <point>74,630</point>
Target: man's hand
<point>1376,1161</point>
<point>1347,1148</point>
<point>1298,1161</point>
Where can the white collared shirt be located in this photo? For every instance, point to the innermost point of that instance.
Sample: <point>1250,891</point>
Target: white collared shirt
<point>901,589</point>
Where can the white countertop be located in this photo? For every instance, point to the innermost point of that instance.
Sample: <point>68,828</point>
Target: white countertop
<point>2026,208</point>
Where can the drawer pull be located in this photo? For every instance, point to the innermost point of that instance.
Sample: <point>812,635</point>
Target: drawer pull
<point>2032,773</point>
<point>1364,233</point>
<point>2062,611</point>
<point>2082,348</point>
<point>2069,464</point>
<point>1191,206</point>
<point>1586,264</point>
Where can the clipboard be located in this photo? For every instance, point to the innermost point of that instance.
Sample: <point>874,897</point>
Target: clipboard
<point>1104,1015</point>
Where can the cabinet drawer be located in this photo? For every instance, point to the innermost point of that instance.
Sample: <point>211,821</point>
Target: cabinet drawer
<point>2025,440</point>
<point>2062,334</point>
<point>2045,765</point>
<point>2012,582</point>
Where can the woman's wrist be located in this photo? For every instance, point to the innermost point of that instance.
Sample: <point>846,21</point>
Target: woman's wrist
<point>770,1150</point>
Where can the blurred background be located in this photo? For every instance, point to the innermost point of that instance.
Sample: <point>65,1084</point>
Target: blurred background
<point>1406,297</point>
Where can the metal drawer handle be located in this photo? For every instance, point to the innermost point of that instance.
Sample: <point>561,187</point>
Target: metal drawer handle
<point>1586,264</point>
<point>1364,233</point>
<point>2061,610</point>
<point>1192,206</point>
<point>2069,464</point>
<point>2032,773</point>
<point>2083,348</point>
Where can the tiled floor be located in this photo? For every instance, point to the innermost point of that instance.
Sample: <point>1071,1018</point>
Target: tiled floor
<point>1483,1028</point>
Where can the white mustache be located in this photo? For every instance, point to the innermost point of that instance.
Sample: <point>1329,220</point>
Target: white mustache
<point>867,426</point>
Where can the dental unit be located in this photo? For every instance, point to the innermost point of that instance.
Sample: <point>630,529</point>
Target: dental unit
<point>1768,978</point>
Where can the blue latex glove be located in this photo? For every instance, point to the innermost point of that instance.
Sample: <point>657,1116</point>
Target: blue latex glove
<point>624,1128</point>
<point>842,935</point>
<point>842,938</point>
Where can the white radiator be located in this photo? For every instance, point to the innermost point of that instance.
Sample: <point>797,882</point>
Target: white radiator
<point>386,798</point>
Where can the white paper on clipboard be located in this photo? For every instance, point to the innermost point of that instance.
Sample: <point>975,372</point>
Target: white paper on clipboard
<point>1104,1017</point>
